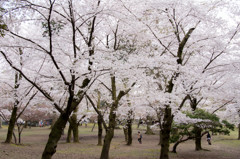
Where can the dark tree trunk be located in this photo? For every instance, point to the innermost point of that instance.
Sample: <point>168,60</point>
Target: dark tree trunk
<point>109,134</point>
<point>69,134</point>
<point>125,133</point>
<point>160,137</point>
<point>238,131</point>
<point>174,150</point>
<point>54,119</point>
<point>55,135</point>
<point>11,125</point>
<point>107,143</point>
<point>20,129</point>
<point>139,122</point>
<point>100,130</point>
<point>165,133</point>
<point>129,132</point>
<point>198,137</point>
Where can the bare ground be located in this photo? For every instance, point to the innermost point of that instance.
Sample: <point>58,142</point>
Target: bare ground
<point>34,140</point>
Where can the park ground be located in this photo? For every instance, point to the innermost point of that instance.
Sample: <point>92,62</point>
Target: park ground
<point>34,140</point>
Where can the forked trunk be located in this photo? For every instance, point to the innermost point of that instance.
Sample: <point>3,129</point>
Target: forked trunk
<point>165,133</point>
<point>11,125</point>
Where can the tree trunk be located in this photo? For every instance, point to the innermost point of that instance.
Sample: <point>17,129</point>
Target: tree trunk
<point>55,135</point>
<point>139,122</point>
<point>109,134</point>
<point>149,123</point>
<point>129,132</point>
<point>69,134</point>
<point>74,126</point>
<point>93,126</point>
<point>100,131</point>
<point>238,131</point>
<point>125,133</point>
<point>165,133</point>
<point>106,144</point>
<point>0,122</point>
<point>15,138</point>
<point>11,125</point>
<point>160,137</point>
<point>149,131</point>
<point>198,137</point>
<point>174,150</point>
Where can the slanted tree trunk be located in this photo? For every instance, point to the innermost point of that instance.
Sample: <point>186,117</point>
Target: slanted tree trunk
<point>15,138</point>
<point>174,150</point>
<point>55,135</point>
<point>165,133</point>
<point>93,126</point>
<point>198,137</point>
<point>11,125</point>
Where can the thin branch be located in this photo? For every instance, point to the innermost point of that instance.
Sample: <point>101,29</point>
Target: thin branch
<point>98,112</point>
<point>222,105</point>
<point>30,99</point>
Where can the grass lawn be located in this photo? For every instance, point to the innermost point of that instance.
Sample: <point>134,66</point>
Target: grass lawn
<point>34,140</point>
